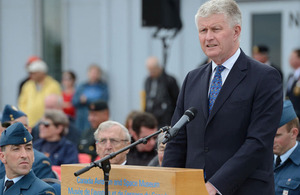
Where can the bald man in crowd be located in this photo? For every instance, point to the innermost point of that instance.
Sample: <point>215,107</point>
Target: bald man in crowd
<point>161,92</point>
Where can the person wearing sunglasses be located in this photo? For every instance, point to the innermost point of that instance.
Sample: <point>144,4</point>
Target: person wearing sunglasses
<point>41,165</point>
<point>53,143</point>
<point>110,137</point>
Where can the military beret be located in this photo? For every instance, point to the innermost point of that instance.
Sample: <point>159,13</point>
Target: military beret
<point>288,113</point>
<point>15,134</point>
<point>11,113</point>
<point>98,106</point>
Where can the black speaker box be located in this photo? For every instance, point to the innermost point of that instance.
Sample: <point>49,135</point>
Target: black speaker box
<point>161,13</point>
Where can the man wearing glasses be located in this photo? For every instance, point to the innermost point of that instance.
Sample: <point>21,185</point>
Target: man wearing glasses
<point>110,137</point>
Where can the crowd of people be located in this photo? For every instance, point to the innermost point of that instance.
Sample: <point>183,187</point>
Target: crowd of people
<point>242,121</point>
<point>70,123</point>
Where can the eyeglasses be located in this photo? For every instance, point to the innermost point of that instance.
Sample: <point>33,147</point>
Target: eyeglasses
<point>5,124</point>
<point>46,123</point>
<point>112,141</point>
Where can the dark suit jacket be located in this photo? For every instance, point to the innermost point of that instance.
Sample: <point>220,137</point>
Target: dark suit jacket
<point>28,185</point>
<point>234,144</point>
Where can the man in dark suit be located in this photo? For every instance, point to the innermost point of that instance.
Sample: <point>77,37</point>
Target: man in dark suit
<point>239,103</point>
<point>17,156</point>
<point>161,92</point>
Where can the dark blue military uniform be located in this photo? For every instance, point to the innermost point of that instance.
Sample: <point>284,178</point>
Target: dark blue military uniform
<point>29,184</point>
<point>41,165</point>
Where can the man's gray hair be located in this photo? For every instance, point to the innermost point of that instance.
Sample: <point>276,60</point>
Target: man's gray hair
<point>108,124</point>
<point>227,7</point>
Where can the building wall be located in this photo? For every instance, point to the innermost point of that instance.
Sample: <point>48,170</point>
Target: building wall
<point>109,33</point>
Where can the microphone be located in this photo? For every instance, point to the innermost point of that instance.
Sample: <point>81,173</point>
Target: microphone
<point>186,118</point>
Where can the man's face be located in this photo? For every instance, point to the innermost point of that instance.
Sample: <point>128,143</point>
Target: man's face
<point>218,39</point>
<point>17,159</point>
<point>284,140</point>
<point>263,58</point>
<point>294,60</point>
<point>97,117</point>
<point>145,131</point>
<point>24,121</point>
<point>94,74</point>
<point>111,140</point>
<point>37,76</point>
<point>153,67</point>
<point>49,131</point>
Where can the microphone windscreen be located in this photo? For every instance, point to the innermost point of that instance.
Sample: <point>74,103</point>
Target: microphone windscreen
<point>191,113</point>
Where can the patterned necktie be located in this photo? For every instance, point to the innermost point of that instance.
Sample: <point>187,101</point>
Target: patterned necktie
<point>8,184</point>
<point>278,161</point>
<point>215,87</point>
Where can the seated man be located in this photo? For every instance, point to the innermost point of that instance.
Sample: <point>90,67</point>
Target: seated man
<point>98,113</point>
<point>287,153</point>
<point>41,165</point>
<point>17,156</point>
<point>144,124</point>
<point>110,137</point>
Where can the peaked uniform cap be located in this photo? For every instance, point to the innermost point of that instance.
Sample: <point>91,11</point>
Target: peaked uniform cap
<point>15,134</point>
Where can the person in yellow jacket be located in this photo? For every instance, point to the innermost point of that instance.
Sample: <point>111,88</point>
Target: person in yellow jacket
<point>35,90</point>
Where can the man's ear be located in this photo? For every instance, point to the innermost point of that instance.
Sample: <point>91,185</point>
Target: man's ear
<point>2,157</point>
<point>237,31</point>
<point>295,132</point>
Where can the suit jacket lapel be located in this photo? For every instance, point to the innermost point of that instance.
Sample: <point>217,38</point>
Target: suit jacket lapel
<point>204,86</point>
<point>235,76</point>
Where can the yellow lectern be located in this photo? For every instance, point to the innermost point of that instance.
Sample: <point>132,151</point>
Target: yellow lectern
<point>133,180</point>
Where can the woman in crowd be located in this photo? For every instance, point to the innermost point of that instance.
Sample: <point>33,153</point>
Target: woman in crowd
<point>52,142</point>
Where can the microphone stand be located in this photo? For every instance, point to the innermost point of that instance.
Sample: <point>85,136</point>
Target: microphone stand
<point>104,163</point>
<point>164,43</point>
